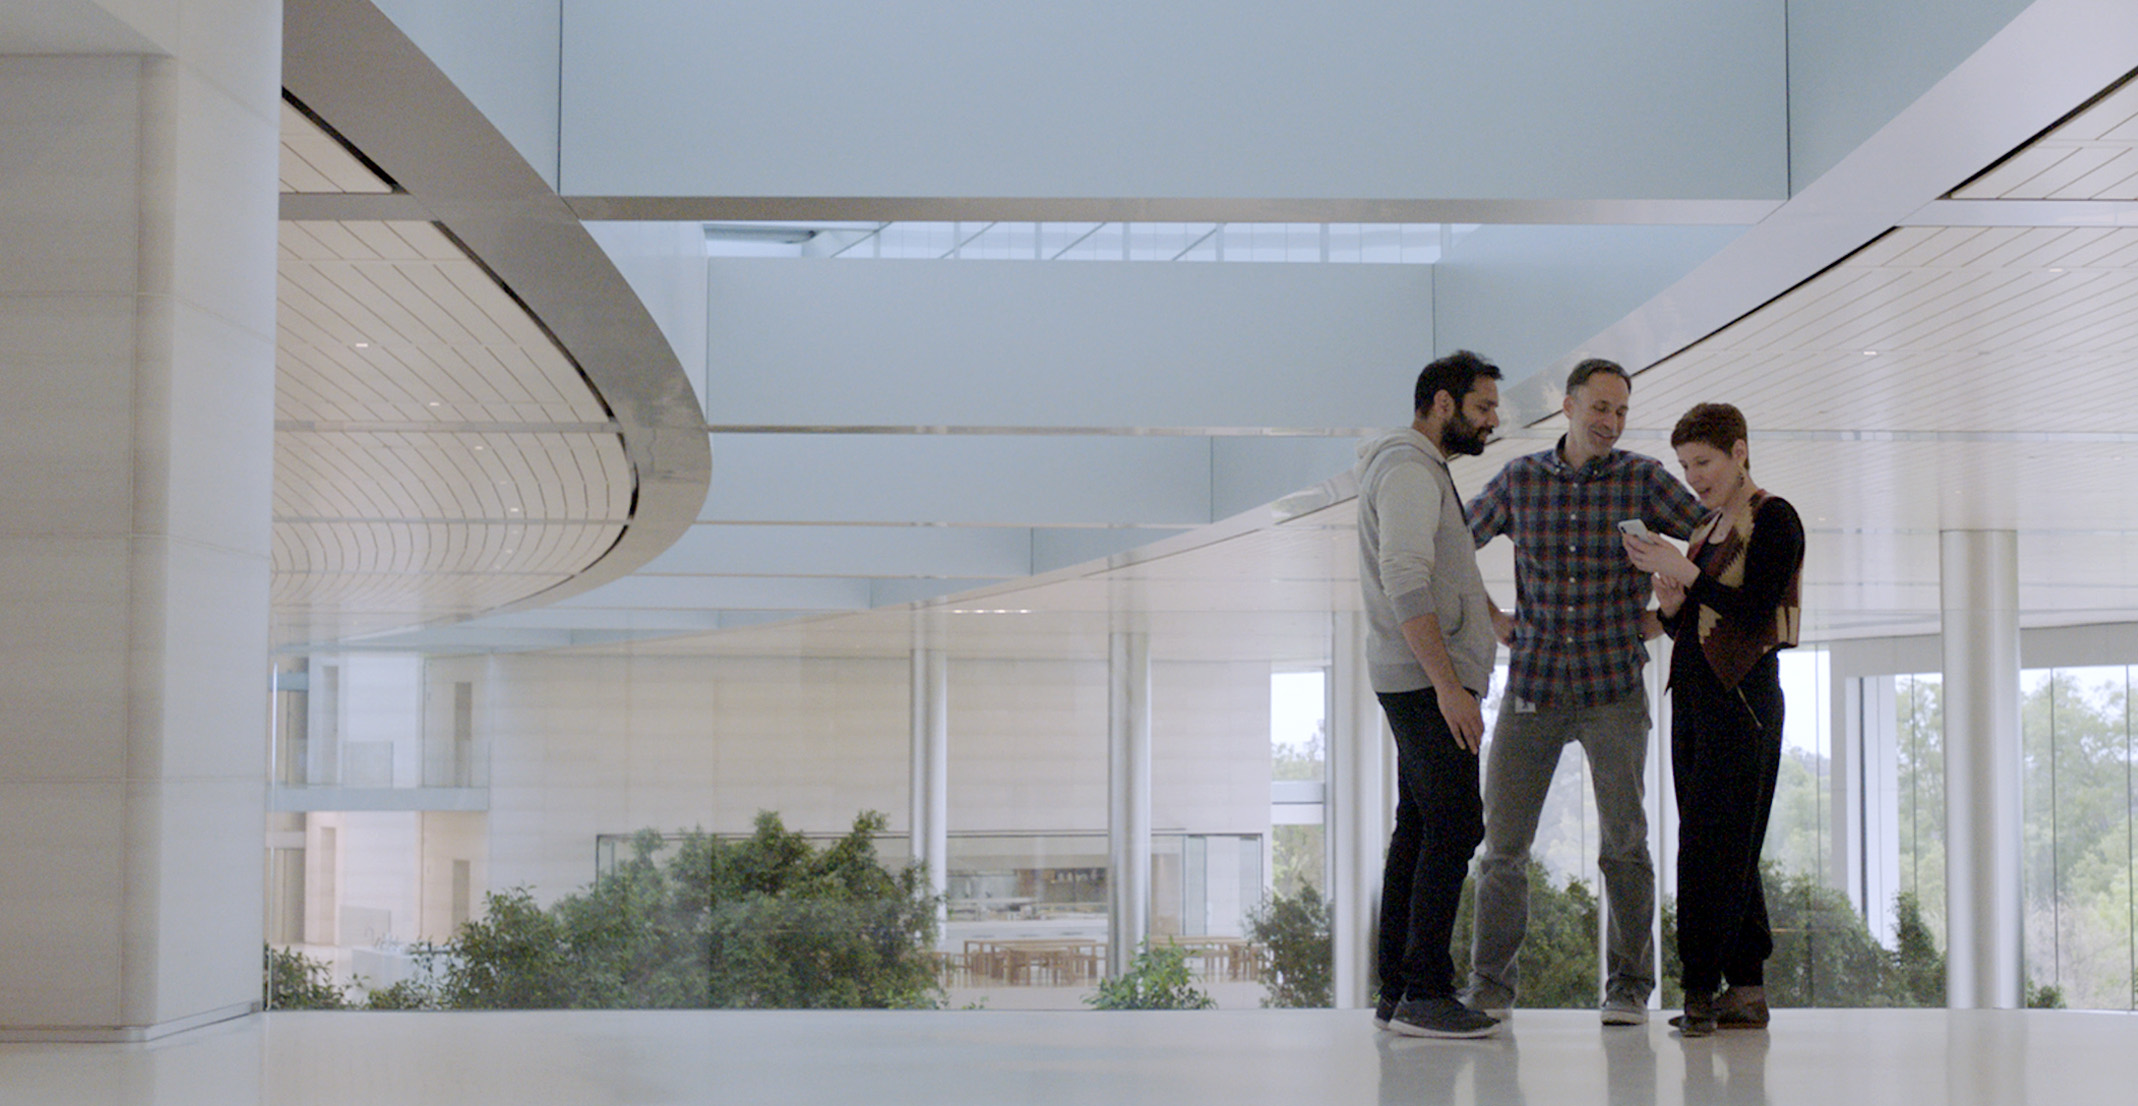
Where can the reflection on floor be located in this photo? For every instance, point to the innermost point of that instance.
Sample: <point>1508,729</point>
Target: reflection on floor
<point>1239,1058</point>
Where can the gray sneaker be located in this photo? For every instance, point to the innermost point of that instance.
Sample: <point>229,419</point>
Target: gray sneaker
<point>1440,1017</point>
<point>1624,1010</point>
<point>1498,1007</point>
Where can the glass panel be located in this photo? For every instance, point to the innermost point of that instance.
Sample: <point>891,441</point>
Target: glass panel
<point>1920,702</point>
<point>2076,737</point>
<point>1345,243</point>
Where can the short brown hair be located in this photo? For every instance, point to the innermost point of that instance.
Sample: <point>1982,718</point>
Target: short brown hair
<point>1593,367</point>
<point>1715,424</point>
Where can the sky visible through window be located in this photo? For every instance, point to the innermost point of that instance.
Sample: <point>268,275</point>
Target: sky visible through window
<point>1332,243</point>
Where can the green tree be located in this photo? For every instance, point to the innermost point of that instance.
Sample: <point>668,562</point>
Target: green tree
<point>1823,953</point>
<point>1294,930</point>
<point>1296,853</point>
<point>767,921</point>
<point>514,957</point>
<point>1920,728</point>
<point>1558,961</point>
<point>1158,979</point>
<point>2077,748</point>
<point>298,982</point>
<point>1918,967</point>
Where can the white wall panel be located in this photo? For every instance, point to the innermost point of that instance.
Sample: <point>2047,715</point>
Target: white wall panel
<point>1194,98</point>
<point>503,54</point>
<point>1525,296</point>
<point>88,27</point>
<point>583,746</point>
<point>716,592</point>
<point>665,265</point>
<point>1249,472</point>
<point>1062,546</point>
<point>848,551</point>
<point>982,343</point>
<point>977,479</point>
<point>1853,66</point>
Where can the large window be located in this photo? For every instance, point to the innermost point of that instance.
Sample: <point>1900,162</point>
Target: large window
<point>2078,859</point>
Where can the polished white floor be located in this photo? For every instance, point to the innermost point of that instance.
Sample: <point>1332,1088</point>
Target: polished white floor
<point>1225,1058</point>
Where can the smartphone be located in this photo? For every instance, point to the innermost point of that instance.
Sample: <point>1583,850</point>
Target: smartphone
<point>1637,528</point>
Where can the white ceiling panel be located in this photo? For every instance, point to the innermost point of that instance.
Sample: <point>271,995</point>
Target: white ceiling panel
<point>2091,156</point>
<point>436,454</point>
<point>315,161</point>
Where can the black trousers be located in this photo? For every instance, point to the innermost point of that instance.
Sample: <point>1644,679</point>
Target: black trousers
<point>1725,753</point>
<point>1440,820</point>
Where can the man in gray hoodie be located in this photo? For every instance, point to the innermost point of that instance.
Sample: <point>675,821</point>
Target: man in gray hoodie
<point>1429,657</point>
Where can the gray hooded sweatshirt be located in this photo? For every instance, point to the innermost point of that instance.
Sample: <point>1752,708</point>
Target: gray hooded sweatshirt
<point>1416,558</point>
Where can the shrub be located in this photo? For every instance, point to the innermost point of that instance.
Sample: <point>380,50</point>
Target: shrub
<point>1157,979</point>
<point>298,982</point>
<point>1294,930</point>
<point>1558,959</point>
<point>1823,953</point>
<point>768,921</point>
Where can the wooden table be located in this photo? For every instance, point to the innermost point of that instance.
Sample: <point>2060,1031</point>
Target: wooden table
<point>1031,961</point>
<point>1233,958</point>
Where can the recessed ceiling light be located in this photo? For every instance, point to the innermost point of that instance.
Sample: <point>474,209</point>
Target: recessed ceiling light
<point>1870,353</point>
<point>434,403</point>
<point>361,345</point>
<point>2056,270</point>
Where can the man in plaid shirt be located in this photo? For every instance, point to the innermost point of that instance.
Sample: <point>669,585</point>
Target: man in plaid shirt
<point>1577,639</point>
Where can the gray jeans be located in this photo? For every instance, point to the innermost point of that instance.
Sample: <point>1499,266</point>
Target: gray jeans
<point>1518,772</point>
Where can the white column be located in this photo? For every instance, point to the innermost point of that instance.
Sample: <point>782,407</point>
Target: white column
<point>1128,797</point>
<point>1359,813</point>
<point>1979,585</point>
<point>137,297</point>
<point>931,764</point>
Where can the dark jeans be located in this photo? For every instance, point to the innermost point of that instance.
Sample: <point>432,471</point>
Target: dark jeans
<point>1725,753</point>
<point>1439,821</point>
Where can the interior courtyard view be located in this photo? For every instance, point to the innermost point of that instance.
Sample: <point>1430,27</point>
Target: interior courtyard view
<point>625,551</point>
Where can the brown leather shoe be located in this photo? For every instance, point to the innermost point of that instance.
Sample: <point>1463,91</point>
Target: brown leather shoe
<point>1741,1008</point>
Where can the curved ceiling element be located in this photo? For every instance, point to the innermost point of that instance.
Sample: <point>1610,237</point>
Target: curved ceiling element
<point>474,411</point>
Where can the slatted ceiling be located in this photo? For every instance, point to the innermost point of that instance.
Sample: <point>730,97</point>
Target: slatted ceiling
<point>363,296</point>
<point>545,476</point>
<point>312,161</point>
<point>2091,156</point>
<point>2112,118</point>
<point>1956,315</point>
<point>403,240</point>
<point>434,295</point>
<point>384,549</point>
<point>436,332</point>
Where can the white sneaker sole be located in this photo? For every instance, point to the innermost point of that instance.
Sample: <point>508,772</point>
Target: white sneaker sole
<point>1409,1030</point>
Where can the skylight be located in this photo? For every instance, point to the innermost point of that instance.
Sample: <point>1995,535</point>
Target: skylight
<point>1353,243</point>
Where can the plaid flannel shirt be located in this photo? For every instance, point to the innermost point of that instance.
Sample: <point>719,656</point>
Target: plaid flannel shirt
<point>1578,600</point>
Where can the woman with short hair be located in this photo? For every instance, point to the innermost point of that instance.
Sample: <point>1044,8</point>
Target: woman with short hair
<point>1730,602</point>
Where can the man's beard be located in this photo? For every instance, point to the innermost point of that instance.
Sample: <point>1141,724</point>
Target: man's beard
<point>1460,435</point>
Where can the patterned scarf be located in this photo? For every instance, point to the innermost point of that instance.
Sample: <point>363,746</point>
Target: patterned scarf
<point>1733,647</point>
